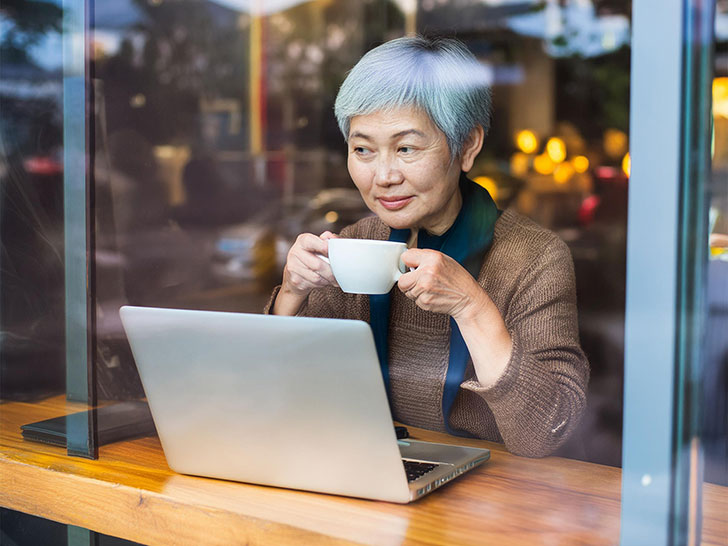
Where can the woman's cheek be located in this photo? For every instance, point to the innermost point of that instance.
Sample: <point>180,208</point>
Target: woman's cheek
<point>361,177</point>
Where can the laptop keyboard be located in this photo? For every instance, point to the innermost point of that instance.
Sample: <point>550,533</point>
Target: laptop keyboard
<point>414,469</point>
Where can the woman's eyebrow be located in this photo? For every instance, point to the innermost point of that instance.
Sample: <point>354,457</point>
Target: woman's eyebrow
<point>395,136</point>
<point>407,132</point>
<point>357,134</point>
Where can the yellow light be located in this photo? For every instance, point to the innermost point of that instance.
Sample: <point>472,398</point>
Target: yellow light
<point>165,152</point>
<point>615,143</point>
<point>626,164</point>
<point>580,163</point>
<point>543,164</point>
<point>489,184</point>
<point>331,216</point>
<point>527,141</point>
<point>563,173</point>
<point>556,149</point>
<point>138,100</point>
<point>720,97</point>
<point>98,51</point>
<point>519,164</point>
<point>255,79</point>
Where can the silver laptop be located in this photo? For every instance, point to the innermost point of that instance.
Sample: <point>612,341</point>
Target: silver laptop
<point>285,401</point>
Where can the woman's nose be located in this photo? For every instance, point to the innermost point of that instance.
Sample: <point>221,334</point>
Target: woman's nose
<point>388,174</point>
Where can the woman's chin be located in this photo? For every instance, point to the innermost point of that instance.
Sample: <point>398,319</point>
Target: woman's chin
<point>396,223</point>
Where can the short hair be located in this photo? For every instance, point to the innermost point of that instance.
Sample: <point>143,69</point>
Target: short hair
<point>438,75</point>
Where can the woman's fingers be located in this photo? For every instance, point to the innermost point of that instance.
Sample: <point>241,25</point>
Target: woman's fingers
<point>407,281</point>
<point>420,262</point>
<point>439,283</point>
<point>413,257</point>
<point>305,270</point>
<point>310,243</point>
<point>312,262</point>
<point>304,278</point>
<point>326,235</point>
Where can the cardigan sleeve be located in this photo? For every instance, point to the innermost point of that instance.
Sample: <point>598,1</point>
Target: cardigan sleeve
<point>539,399</point>
<point>318,304</point>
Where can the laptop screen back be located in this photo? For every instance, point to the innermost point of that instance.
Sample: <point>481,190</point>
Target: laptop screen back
<point>285,401</point>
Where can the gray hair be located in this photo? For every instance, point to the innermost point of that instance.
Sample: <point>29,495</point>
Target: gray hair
<point>439,76</point>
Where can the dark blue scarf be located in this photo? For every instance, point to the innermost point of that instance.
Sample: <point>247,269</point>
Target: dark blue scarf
<point>467,241</point>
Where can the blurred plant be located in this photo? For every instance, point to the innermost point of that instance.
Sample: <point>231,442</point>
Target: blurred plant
<point>30,21</point>
<point>31,123</point>
<point>594,92</point>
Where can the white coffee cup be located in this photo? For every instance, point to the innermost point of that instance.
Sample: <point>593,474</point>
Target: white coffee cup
<point>366,266</point>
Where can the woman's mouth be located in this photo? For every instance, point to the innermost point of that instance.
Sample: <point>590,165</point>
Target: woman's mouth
<point>394,203</point>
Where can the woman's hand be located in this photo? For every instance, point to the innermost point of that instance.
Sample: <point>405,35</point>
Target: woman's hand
<point>442,285</point>
<point>439,284</point>
<point>303,272</point>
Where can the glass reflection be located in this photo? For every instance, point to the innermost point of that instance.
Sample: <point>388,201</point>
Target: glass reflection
<point>31,202</point>
<point>216,147</point>
<point>715,381</point>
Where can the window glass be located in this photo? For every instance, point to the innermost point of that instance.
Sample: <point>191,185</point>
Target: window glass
<point>216,145</point>
<point>211,145</point>
<point>715,382</point>
<point>32,315</point>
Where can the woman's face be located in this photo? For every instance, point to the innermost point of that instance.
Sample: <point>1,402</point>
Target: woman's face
<point>400,162</point>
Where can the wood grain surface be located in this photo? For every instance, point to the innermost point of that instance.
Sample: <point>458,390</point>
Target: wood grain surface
<point>130,492</point>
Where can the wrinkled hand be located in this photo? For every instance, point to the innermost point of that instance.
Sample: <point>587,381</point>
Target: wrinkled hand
<point>439,284</point>
<point>305,271</point>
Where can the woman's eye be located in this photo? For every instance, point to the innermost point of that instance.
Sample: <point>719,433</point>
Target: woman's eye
<point>405,149</point>
<point>361,151</point>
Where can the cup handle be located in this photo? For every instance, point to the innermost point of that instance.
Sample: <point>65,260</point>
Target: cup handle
<point>402,270</point>
<point>324,258</point>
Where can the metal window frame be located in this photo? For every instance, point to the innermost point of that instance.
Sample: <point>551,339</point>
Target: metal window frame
<point>666,259</point>
<point>79,222</point>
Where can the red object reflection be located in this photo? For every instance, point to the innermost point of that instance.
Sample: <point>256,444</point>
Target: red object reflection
<point>43,165</point>
<point>588,209</point>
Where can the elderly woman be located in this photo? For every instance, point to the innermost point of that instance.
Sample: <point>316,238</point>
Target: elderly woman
<point>480,338</point>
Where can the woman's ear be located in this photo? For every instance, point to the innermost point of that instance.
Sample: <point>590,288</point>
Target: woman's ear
<point>471,148</point>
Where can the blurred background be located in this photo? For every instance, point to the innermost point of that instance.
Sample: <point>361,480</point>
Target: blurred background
<point>212,144</point>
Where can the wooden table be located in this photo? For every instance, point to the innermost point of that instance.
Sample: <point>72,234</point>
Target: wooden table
<point>131,493</point>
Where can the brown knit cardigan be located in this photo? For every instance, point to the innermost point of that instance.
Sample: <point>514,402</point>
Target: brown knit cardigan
<point>537,403</point>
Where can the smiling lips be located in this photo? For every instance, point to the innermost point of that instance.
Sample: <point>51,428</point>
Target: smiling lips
<point>395,202</point>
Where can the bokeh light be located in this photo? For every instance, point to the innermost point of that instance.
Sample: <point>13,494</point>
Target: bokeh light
<point>489,184</point>
<point>563,173</point>
<point>543,165</point>
<point>580,163</point>
<point>615,143</point>
<point>556,149</point>
<point>519,164</point>
<point>720,97</point>
<point>527,141</point>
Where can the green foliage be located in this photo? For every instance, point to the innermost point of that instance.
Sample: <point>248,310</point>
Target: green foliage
<point>594,92</point>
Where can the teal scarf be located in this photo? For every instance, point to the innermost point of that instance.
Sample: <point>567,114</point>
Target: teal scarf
<point>467,241</point>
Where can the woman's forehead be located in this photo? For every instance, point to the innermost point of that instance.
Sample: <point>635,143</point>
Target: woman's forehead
<point>393,123</point>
